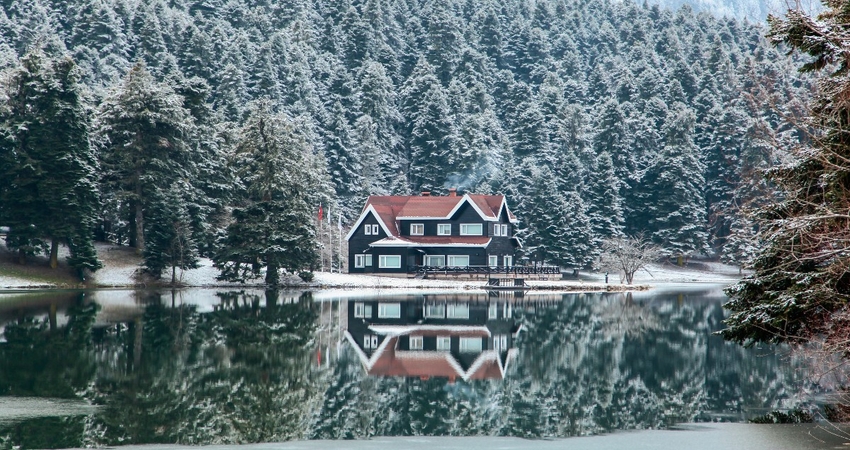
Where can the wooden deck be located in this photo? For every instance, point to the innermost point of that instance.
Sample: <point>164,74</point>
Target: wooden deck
<point>488,272</point>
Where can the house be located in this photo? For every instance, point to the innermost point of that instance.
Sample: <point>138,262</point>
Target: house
<point>397,234</point>
<point>438,336</point>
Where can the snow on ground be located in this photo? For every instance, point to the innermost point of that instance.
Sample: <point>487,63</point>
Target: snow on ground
<point>122,269</point>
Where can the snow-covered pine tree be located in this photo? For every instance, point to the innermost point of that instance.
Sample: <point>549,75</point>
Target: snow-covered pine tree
<point>51,167</point>
<point>147,135</point>
<point>272,225</point>
<point>169,243</point>
<point>426,110</point>
<point>676,209</point>
<point>605,209</point>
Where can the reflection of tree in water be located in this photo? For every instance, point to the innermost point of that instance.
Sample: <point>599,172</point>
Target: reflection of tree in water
<point>592,363</point>
<point>42,359</point>
<point>245,372</point>
<point>238,374</point>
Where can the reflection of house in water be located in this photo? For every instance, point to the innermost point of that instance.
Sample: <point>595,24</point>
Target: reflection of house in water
<point>438,336</point>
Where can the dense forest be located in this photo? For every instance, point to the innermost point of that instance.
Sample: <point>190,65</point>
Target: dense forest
<point>216,128</point>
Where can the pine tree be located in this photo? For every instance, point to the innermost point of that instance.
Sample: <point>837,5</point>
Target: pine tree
<point>51,168</point>
<point>272,226</point>
<point>605,208</point>
<point>169,234</point>
<point>148,134</point>
<point>676,211</point>
<point>426,109</point>
<point>800,287</point>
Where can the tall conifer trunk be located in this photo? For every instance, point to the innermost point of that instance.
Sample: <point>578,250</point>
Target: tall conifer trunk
<point>140,221</point>
<point>54,254</point>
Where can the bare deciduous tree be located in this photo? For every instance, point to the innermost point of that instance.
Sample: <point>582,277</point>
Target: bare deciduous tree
<point>628,255</point>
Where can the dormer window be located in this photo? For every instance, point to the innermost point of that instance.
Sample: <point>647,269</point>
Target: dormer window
<point>504,228</point>
<point>496,230</point>
<point>417,229</point>
<point>444,229</point>
<point>471,229</point>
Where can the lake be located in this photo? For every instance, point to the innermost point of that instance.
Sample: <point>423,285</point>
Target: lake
<point>414,370</point>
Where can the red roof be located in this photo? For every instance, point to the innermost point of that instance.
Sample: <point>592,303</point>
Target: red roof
<point>392,208</point>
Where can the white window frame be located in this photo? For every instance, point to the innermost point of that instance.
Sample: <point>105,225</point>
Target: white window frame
<point>496,229</point>
<point>500,342</point>
<point>428,262</point>
<point>363,310</point>
<point>509,261</point>
<point>415,343</point>
<point>375,229</point>
<point>457,311</point>
<point>435,311</point>
<point>441,229</point>
<point>493,311</point>
<point>457,260</point>
<point>504,230</point>
<point>384,262</point>
<point>465,229</point>
<point>417,229</point>
<point>444,343</point>
<point>370,341</point>
<point>385,311</point>
<point>361,261</point>
<point>471,345</point>
<point>493,260</point>
<point>367,230</point>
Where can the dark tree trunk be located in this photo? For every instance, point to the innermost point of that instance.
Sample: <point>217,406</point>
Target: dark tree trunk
<point>140,229</point>
<point>54,254</point>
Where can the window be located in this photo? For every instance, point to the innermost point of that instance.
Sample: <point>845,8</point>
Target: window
<point>458,260</point>
<point>361,261</point>
<point>470,345</point>
<point>493,311</point>
<point>509,261</point>
<point>507,311</point>
<point>417,229</point>
<point>389,261</point>
<point>367,230</point>
<point>389,310</point>
<point>370,341</point>
<point>493,261</point>
<point>504,231</point>
<point>362,310</point>
<point>375,229</point>
<point>457,311</point>
<point>435,311</point>
<point>444,343</point>
<point>444,229</point>
<point>435,260</point>
<point>500,342</point>
<point>496,229</point>
<point>415,342</point>
<point>471,229</point>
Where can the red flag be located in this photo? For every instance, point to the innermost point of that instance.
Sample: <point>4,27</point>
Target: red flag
<point>320,212</point>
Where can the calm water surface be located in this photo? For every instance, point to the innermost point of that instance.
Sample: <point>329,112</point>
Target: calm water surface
<point>105,368</point>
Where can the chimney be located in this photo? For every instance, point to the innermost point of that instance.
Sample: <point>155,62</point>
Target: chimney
<point>426,193</point>
<point>452,192</point>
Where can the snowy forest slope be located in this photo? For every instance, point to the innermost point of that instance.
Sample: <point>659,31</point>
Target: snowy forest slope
<point>596,118</point>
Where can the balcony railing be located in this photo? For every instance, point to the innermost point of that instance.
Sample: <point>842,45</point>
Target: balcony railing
<point>484,270</point>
